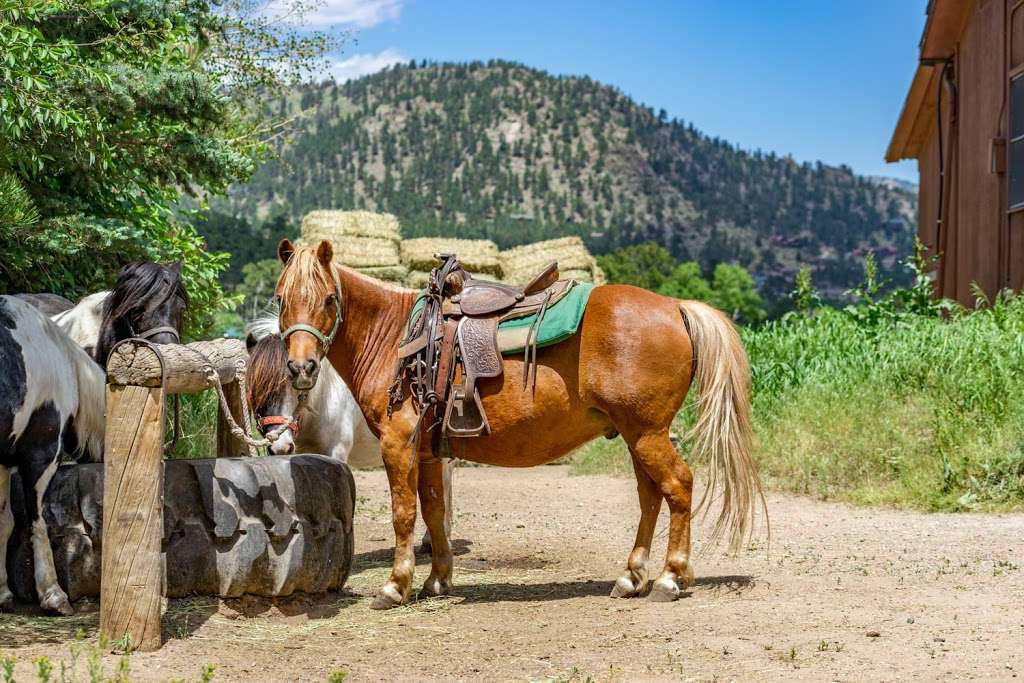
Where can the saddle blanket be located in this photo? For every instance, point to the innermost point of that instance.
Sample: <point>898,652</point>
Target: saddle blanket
<point>561,320</point>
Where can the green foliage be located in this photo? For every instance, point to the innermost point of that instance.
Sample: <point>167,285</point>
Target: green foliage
<point>652,267</point>
<point>804,297</point>
<point>686,282</point>
<point>900,407</point>
<point>259,280</point>
<point>733,291</point>
<point>646,265</point>
<point>110,111</point>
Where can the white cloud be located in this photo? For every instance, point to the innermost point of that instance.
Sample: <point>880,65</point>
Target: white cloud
<point>358,13</point>
<point>363,64</point>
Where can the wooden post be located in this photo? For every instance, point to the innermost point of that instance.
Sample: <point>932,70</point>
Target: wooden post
<point>228,445</point>
<point>133,499</point>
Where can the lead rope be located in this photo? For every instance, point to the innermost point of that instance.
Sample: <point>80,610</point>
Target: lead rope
<point>214,380</point>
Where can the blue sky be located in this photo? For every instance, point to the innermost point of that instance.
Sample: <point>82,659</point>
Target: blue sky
<point>817,79</point>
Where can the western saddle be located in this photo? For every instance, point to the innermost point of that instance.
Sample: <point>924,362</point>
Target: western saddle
<point>453,341</point>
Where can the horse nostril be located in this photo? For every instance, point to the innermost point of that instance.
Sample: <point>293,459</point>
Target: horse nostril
<point>293,369</point>
<point>311,367</point>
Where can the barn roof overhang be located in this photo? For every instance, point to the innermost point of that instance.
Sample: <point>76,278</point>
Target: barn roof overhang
<point>942,30</point>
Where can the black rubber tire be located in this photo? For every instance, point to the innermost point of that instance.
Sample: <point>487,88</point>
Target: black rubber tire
<point>265,526</point>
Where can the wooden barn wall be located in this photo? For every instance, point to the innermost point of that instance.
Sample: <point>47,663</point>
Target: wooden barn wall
<point>939,241</point>
<point>981,76</point>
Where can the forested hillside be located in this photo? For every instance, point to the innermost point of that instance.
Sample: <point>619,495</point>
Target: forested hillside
<point>502,151</point>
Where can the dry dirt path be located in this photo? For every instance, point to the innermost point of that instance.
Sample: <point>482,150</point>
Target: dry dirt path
<point>847,594</point>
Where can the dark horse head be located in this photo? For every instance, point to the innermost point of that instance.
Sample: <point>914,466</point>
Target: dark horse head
<point>274,402</point>
<point>148,301</point>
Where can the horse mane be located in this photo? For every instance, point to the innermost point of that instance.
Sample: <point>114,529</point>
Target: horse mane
<point>267,376</point>
<point>305,278</point>
<point>141,286</point>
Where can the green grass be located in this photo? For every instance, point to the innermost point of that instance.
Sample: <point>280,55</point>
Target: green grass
<point>198,426</point>
<point>878,404</point>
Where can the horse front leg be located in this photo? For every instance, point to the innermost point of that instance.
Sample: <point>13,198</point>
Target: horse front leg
<point>433,488</point>
<point>401,464</point>
<point>37,470</point>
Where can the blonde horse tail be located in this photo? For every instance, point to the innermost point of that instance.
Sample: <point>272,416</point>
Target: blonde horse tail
<point>722,437</point>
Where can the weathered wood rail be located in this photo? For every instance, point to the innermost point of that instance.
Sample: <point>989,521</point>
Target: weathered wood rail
<point>140,376</point>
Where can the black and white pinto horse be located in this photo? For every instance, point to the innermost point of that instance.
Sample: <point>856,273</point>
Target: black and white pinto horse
<point>52,397</point>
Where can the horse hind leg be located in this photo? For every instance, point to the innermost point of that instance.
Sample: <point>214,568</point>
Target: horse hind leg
<point>6,527</point>
<point>448,469</point>
<point>674,480</point>
<point>634,582</point>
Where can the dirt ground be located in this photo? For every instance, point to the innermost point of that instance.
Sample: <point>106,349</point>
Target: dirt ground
<point>845,594</point>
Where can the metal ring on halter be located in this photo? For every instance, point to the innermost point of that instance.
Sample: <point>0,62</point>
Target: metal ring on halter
<point>328,339</point>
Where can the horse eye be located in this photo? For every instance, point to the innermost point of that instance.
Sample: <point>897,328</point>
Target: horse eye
<point>329,301</point>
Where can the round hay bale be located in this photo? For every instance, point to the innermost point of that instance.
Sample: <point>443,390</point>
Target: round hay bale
<point>477,256</point>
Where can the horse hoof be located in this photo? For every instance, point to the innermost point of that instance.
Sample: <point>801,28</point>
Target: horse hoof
<point>624,588</point>
<point>434,588</point>
<point>6,600</point>
<point>387,598</point>
<point>664,591</point>
<point>687,579</point>
<point>57,603</point>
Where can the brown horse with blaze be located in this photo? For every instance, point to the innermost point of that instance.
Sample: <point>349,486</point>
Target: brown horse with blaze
<point>626,370</point>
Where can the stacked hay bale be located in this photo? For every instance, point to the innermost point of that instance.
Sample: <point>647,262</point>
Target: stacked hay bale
<point>366,241</point>
<point>574,261</point>
<point>479,257</point>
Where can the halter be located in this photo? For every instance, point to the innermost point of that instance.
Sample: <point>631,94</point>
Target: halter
<point>271,420</point>
<point>153,331</point>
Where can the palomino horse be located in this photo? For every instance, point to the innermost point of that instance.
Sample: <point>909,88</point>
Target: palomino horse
<point>626,371</point>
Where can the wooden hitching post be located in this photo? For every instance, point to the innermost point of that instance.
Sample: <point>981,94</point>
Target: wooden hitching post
<point>133,516</point>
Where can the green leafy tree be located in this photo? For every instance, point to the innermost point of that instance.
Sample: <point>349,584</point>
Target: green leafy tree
<point>735,293</point>
<point>110,111</point>
<point>687,282</point>
<point>646,265</point>
<point>259,279</point>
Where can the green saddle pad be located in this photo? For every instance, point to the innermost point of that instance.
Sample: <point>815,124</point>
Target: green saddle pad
<point>560,321</point>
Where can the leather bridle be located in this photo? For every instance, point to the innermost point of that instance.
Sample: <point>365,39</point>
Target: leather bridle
<point>271,420</point>
<point>325,339</point>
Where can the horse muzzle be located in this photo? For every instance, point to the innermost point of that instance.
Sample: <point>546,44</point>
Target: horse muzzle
<point>303,374</point>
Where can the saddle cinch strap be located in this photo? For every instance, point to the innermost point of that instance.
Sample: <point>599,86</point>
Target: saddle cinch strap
<point>456,330</point>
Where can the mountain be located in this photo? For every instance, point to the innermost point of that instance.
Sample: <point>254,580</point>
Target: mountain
<point>513,154</point>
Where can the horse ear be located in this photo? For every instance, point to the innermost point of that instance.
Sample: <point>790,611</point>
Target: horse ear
<point>325,253</point>
<point>250,342</point>
<point>176,267</point>
<point>285,249</point>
